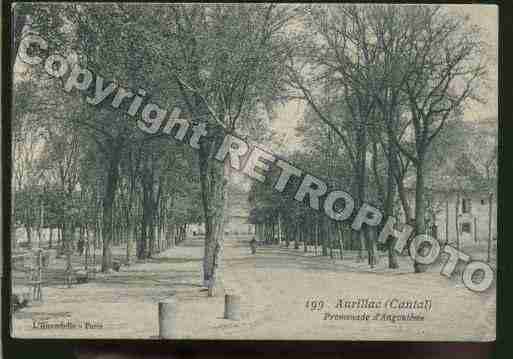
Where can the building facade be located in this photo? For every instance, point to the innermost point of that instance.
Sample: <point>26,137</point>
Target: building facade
<point>236,215</point>
<point>468,216</point>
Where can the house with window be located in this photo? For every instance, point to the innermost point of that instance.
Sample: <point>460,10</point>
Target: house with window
<point>454,214</point>
<point>238,209</point>
<point>236,212</point>
<point>461,193</point>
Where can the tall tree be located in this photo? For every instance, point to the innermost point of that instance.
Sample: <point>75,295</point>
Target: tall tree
<point>337,62</point>
<point>226,61</point>
<point>443,67</point>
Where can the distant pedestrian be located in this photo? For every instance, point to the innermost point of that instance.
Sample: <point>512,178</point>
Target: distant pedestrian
<point>80,246</point>
<point>253,245</point>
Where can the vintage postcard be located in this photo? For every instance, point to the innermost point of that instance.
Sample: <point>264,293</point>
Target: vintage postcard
<point>254,171</point>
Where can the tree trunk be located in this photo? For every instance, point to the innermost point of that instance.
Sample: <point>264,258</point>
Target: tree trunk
<point>129,238</point>
<point>392,254</point>
<point>475,229</point>
<point>331,233</point>
<point>340,236</point>
<point>87,247</point>
<point>389,205</point>
<point>279,229</point>
<point>50,237</point>
<point>316,233</point>
<point>420,211</point>
<point>151,235</point>
<point>108,202</point>
<point>456,220</point>
<point>172,237</point>
<point>304,237</point>
<point>142,243</point>
<point>362,246</point>
<point>296,237</point>
<point>447,219</point>
<point>28,229</point>
<point>153,204</point>
<point>370,241</point>
<point>489,250</point>
<point>404,201</point>
<point>59,239</point>
<point>324,237</point>
<point>67,240</point>
<point>361,181</point>
<point>213,194</point>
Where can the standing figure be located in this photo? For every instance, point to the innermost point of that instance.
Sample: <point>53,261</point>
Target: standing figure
<point>80,246</point>
<point>253,245</point>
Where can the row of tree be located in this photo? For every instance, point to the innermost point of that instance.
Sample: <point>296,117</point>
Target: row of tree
<point>222,64</point>
<point>379,80</point>
<point>386,89</point>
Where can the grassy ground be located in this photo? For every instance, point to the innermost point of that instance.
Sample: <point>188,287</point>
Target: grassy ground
<point>274,285</point>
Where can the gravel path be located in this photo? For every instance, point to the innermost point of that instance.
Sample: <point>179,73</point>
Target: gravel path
<point>275,285</point>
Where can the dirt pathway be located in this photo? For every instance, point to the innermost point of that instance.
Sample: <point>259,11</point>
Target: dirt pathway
<point>274,285</point>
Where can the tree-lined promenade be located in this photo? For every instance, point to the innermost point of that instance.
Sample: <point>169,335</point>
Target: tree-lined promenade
<point>276,286</point>
<point>385,88</point>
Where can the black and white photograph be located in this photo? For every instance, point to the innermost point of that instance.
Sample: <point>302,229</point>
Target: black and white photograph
<point>253,171</point>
